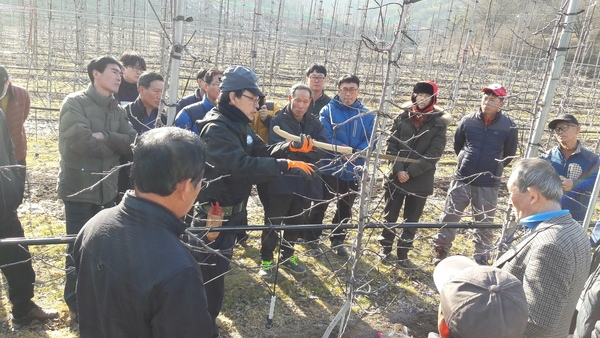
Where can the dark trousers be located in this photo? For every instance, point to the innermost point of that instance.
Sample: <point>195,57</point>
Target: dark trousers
<point>76,215</point>
<point>124,180</point>
<point>20,277</point>
<point>282,209</point>
<point>413,209</point>
<point>214,266</point>
<point>333,187</point>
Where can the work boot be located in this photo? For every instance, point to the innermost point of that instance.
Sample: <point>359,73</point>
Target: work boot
<point>338,246</point>
<point>481,260</point>
<point>403,258</point>
<point>37,313</point>
<point>385,254</point>
<point>292,265</point>
<point>440,254</point>
<point>313,249</point>
<point>266,269</point>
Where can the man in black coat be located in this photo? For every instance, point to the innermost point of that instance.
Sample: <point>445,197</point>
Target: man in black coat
<point>135,278</point>
<point>237,158</point>
<point>290,196</point>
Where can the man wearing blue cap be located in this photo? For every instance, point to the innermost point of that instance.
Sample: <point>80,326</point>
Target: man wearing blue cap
<point>237,158</point>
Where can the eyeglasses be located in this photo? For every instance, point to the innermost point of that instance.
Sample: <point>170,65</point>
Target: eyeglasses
<point>136,69</point>
<point>251,98</point>
<point>216,83</point>
<point>317,77</point>
<point>348,90</point>
<point>563,128</point>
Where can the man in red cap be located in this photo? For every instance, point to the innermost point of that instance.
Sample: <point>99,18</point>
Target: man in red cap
<point>485,142</point>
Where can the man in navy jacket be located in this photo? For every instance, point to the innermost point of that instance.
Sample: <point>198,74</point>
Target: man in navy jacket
<point>485,142</point>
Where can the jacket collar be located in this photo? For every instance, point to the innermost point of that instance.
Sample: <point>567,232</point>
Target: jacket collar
<point>100,100</point>
<point>164,218</point>
<point>512,252</point>
<point>229,115</point>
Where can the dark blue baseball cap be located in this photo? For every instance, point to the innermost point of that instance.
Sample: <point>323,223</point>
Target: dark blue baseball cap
<point>239,77</point>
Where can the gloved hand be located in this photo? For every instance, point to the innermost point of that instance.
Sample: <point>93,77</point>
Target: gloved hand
<point>303,146</point>
<point>302,168</point>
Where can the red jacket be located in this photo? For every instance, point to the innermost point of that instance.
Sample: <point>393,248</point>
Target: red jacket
<point>16,114</point>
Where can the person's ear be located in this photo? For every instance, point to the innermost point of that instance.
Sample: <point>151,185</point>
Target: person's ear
<point>443,329</point>
<point>534,195</point>
<point>182,188</point>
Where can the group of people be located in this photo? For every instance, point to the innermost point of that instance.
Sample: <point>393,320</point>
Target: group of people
<point>134,252</point>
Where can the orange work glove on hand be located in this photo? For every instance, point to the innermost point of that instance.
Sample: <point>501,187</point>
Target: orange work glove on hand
<point>302,168</point>
<point>303,146</point>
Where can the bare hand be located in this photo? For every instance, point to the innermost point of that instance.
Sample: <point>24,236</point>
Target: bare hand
<point>402,176</point>
<point>263,112</point>
<point>567,184</point>
<point>98,135</point>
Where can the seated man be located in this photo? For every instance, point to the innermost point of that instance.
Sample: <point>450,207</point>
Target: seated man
<point>135,277</point>
<point>478,301</point>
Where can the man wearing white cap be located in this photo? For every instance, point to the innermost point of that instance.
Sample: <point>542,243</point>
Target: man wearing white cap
<point>478,301</point>
<point>485,142</point>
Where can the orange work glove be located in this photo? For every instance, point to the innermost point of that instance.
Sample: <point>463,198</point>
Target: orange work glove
<point>303,146</point>
<point>303,168</point>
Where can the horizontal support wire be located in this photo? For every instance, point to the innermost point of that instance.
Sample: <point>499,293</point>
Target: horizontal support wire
<point>71,238</point>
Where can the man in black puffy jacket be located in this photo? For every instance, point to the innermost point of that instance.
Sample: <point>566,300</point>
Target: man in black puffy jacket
<point>236,158</point>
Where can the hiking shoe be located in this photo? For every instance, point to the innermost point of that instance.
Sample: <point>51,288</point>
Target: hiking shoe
<point>385,256</point>
<point>340,250</point>
<point>405,263</point>
<point>292,265</point>
<point>440,254</point>
<point>481,261</point>
<point>313,248</point>
<point>37,313</point>
<point>266,269</point>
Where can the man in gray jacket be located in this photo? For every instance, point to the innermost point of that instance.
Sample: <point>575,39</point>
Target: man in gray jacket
<point>553,259</point>
<point>93,133</point>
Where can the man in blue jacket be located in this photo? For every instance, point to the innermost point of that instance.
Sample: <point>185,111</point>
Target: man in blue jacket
<point>576,165</point>
<point>346,123</point>
<point>188,116</point>
<point>485,142</point>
